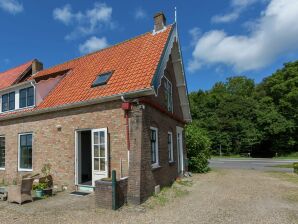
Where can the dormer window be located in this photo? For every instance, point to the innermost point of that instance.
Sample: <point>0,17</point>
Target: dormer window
<point>27,97</point>
<point>8,101</point>
<point>102,79</point>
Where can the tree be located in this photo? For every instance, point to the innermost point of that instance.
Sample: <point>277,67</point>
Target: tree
<point>198,148</point>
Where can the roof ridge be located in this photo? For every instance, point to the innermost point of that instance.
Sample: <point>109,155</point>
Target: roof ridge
<point>95,52</point>
<point>17,66</point>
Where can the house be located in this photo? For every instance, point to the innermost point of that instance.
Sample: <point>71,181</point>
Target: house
<point>121,108</point>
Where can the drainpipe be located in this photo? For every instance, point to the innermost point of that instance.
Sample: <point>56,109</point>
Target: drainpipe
<point>33,84</point>
<point>126,106</point>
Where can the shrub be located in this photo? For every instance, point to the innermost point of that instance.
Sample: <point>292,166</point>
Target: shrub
<point>198,148</point>
<point>295,165</point>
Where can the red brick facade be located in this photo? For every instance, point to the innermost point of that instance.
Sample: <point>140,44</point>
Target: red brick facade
<point>54,140</point>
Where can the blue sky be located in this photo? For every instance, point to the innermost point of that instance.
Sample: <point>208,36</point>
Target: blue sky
<point>219,38</point>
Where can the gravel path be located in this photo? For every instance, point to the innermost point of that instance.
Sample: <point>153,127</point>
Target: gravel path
<point>223,196</point>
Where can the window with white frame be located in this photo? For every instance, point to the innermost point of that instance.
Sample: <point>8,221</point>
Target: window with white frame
<point>8,101</point>
<point>26,97</point>
<point>170,147</point>
<point>25,151</point>
<point>168,95</point>
<point>2,152</point>
<point>154,146</point>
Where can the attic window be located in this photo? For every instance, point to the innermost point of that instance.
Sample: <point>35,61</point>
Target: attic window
<point>102,79</point>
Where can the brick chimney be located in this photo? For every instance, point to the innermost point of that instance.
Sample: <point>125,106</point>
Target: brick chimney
<point>36,66</point>
<point>159,22</point>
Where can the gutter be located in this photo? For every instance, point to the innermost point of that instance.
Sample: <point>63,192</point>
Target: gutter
<point>132,94</point>
<point>32,82</point>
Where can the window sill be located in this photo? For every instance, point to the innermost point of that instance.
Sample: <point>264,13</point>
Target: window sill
<point>155,167</point>
<point>2,169</point>
<point>25,170</point>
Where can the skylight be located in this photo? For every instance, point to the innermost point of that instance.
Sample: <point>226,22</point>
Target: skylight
<point>102,79</point>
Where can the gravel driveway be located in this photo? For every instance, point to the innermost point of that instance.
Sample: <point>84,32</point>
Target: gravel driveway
<point>221,196</point>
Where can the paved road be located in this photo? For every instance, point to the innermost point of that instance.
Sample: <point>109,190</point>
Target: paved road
<point>254,164</point>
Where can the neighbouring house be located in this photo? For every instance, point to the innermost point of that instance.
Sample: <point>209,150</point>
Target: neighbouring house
<point>121,108</point>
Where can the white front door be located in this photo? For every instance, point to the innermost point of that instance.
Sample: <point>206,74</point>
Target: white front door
<point>99,154</point>
<point>180,156</point>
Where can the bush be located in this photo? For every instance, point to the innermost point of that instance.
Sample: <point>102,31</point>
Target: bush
<point>198,148</point>
<point>295,165</point>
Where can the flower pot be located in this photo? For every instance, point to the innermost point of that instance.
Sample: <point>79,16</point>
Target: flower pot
<point>39,193</point>
<point>48,191</point>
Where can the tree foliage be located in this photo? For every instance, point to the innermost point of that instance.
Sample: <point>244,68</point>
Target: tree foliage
<point>242,117</point>
<point>198,146</point>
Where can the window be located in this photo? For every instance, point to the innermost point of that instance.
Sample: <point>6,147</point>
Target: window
<point>8,101</point>
<point>102,79</point>
<point>27,97</point>
<point>2,152</point>
<point>25,152</point>
<point>170,147</point>
<point>154,146</point>
<point>168,95</point>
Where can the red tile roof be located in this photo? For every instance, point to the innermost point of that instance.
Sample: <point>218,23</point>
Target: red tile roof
<point>10,76</point>
<point>133,62</point>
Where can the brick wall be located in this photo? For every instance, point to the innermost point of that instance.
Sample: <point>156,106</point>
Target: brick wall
<point>58,147</point>
<point>143,178</point>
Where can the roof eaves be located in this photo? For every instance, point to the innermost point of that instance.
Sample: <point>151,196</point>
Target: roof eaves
<point>36,111</point>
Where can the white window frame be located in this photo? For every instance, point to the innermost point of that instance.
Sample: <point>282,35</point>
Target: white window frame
<point>169,91</point>
<point>156,164</point>
<point>19,154</point>
<point>171,159</point>
<point>17,98</point>
<point>3,136</point>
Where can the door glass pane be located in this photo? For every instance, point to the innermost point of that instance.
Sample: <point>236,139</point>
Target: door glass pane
<point>96,138</point>
<point>96,150</point>
<point>96,164</point>
<point>102,137</point>
<point>102,165</point>
<point>102,151</point>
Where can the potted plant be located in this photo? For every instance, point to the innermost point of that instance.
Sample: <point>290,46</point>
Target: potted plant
<point>39,188</point>
<point>47,179</point>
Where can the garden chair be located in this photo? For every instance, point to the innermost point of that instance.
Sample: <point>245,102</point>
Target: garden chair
<point>20,193</point>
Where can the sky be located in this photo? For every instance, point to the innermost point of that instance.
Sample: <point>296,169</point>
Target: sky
<point>219,38</point>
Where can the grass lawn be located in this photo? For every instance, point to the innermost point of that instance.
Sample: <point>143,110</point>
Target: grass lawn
<point>284,165</point>
<point>293,155</point>
<point>229,157</point>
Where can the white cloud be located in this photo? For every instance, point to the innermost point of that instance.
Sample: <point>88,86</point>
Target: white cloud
<point>274,34</point>
<point>195,35</point>
<point>93,44</point>
<point>63,14</point>
<point>238,6</point>
<point>140,14</point>
<point>85,23</point>
<point>11,6</point>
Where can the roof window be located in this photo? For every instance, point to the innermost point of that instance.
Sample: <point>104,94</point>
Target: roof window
<point>102,79</point>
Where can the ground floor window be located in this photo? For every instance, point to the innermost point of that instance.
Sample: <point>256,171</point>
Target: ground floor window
<point>25,152</point>
<point>170,146</point>
<point>154,145</point>
<point>2,152</point>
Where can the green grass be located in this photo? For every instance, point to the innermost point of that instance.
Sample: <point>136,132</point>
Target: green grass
<point>178,189</point>
<point>293,155</point>
<point>284,165</point>
<point>291,195</point>
<point>229,157</point>
<point>290,177</point>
